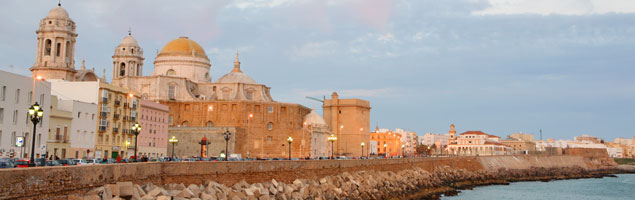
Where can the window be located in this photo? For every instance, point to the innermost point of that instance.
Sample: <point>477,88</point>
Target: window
<point>1,115</point>
<point>13,136</point>
<point>170,120</point>
<point>268,138</point>
<point>79,114</point>
<point>30,96</point>
<point>42,99</point>
<point>17,96</point>
<point>171,72</point>
<point>270,109</point>
<point>3,93</point>
<point>122,69</point>
<point>210,124</point>
<point>68,49</point>
<point>0,137</point>
<point>269,126</point>
<point>47,47</point>
<point>172,92</point>
<point>57,49</point>
<point>15,117</point>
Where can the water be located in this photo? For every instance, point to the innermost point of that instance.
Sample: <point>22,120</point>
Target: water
<point>622,187</point>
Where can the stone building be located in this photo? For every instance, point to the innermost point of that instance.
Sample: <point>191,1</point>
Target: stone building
<point>59,143</point>
<point>319,132</point>
<point>478,143</point>
<point>201,141</point>
<point>349,120</point>
<point>16,96</point>
<point>153,140</point>
<point>519,146</point>
<point>521,136</point>
<point>181,80</point>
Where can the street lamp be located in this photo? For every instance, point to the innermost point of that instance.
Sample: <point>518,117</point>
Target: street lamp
<point>332,138</point>
<point>136,128</point>
<point>227,136</point>
<point>173,140</point>
<point>35,113</point>
<point>362,149</point>
<point>428,150</point>
<point>289,140</point>
<point>385,152</point>
<point>403,150</point>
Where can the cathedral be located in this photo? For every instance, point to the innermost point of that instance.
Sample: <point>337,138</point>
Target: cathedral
<point>197,104</point>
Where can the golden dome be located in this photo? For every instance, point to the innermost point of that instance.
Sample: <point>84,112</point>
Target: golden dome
<point>183,47</point>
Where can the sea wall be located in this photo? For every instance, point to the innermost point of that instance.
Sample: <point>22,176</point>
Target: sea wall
<point>53,182</point>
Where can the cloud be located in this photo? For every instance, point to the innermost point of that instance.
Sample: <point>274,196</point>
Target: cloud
<point>315,49</point>
<point>557,7</point>
<point>384,38</point>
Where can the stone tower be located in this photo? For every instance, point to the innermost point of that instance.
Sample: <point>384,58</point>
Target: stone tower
<point>128,59</point>
<point>55,46</point>
<point>349,120</point>
<point>452,134</point>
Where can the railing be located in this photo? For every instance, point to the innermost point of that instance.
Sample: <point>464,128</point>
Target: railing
<point>125,104</point>
<point>133,119</point>
<point>104,114</point>
<point>116,116</point>
<point>104,99</point>
<point>115,130</point>
<point>102,128</point>
<point>124,131</point>
<point>117,102</point>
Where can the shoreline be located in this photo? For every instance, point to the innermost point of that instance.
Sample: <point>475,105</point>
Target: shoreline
<point>453,189</point>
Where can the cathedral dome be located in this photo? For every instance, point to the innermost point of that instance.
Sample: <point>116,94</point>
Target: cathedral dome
<point>58,13</point>
<point>236,75</point>
<point>183,47</point>
<point>129,41</point>
<point>314,119</point>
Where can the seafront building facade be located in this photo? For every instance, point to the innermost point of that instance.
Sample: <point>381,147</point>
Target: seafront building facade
<point>478,143</point>
<point>349,120</point>
<point>388,143</point>
<point>153,140</point>
<point>59,143</point>
<point>17,94</point>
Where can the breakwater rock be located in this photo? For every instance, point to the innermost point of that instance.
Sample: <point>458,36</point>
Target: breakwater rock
<point>413,183</point>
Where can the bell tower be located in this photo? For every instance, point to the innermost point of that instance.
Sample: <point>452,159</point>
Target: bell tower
<point>452,133</point>
<point>55,46</point>
<point>128,59</point>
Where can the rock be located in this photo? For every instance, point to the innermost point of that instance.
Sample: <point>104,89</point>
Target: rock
<point>163,198</point>
<point>154,192</point>
<point>92,197</point>
<point>274,182</point>
<point>96,191</point>
<point>264,197</point>
<point>322,181</point>
<point>273,190</point>
<point>114,189</point>
<point>298,183</point>
<point>179,187</point>
<point>205,196</point>
<point>194,189</point>
<point>125,189</point>
<point>139,190</point>
<point>188,193</point>
<point>74,197</point>
<point>147,197</point>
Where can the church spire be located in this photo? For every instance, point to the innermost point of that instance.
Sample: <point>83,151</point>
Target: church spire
<point>236,64</point>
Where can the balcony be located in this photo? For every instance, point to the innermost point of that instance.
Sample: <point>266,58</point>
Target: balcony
<point>134,106</point>
<point>125,118</point>
<point>124,131</point>
<point>133,119</point>
<point>102,128</point>
<point>117,102</point>
<point>60,139</point>
<point>115,130</point>
<point>116,116</point>
<point>103,114</point>
<point>104,100</point>
<point>125,104</point>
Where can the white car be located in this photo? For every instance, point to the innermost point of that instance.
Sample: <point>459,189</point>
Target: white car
<point>83,162</point>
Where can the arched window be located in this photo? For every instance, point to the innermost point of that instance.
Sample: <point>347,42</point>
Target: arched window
<point>57,49</point>
<point>132,50</point>
<point>47,47</point>
<point>269,126</point>
<point>210,124</point>
<point>68,49</point>
<point>171,72</point>
<point>185,124</point>
<point>172,92</point>
<point>122,69</point>
<point>138,70</point>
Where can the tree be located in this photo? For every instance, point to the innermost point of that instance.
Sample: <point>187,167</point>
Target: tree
<point>422,149</point>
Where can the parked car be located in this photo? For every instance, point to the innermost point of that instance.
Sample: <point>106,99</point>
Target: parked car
<point>40,162</point>
<point>22,163</point>
<point>63,162</point>
<point>6,164</point>
<point>53,163</point>
<point>111,161</point>
<point>81,162</point>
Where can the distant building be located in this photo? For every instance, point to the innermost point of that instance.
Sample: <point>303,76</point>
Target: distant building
<point>615,152</point>
<point>521,136</point>
<point>478,143</point>
<point>372,148</point>
<point>519,146</point>
<point>588,138</point>
<point>16,96</point>
<point>388,143</point>
<point>59,143</point>
<point>408,140</point>
<point>316,127</point>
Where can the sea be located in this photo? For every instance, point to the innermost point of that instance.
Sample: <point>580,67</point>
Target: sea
<point>622,187</point>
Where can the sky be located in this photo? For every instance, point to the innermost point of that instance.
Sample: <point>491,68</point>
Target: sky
<point>499,66</point>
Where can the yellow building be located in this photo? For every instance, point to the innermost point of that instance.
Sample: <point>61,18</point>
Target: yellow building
<point>387,141</point>
<point>58,144</point>
<point>349,120</point>
<point>118,109</point>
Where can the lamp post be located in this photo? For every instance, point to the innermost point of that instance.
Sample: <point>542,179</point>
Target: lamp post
<point>403,150</point>
<point>428,150</point>
<point>136,128</point>
<point>290,140</point>
<point>332,139</point>
<point>385,152</point>
<point>173,140</point>
<point>248,120</point>
<point>362,149</point>
<point>227,136</point>
<point>35,113</point>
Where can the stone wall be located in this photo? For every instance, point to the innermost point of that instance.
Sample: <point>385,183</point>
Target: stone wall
<point>53,182</point>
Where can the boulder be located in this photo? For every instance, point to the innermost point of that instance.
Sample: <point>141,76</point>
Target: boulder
<point>188,193</point>
<point>205,196</point>
<point>164,198</point>
<point>92,197</point>
<point>114,189</point>
<point>139,190</point>
<point>273,191</point>
<point>125,189</point>
<point>274,182</point>
<point>154,192</point>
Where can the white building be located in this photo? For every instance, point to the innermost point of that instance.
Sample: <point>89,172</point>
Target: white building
<point>319,131</point>
<point>409,140</point>
<point>16,96</point>
<point>614,152</point>
<point>83,129</point>
<point>434,138</point>
<point>373,147</point>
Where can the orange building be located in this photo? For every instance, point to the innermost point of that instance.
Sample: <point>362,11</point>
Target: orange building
<point>387,141</point>
<point>349,120</point>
